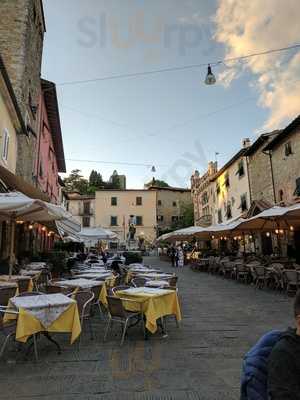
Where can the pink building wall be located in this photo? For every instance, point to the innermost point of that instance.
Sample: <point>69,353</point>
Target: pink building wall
<point>46,170</point>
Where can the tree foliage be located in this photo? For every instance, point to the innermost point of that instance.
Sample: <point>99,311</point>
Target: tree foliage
<point>75,182</point>
<point>157,183</point>
<point>187,216</point>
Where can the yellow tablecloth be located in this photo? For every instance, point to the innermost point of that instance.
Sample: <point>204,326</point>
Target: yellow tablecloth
<point>103,294</point>
<point>28,325</point>
<point>153,306</point>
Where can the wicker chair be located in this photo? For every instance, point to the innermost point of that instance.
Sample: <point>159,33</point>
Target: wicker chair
<point>173,281</point>
<point>138,281</point>
<point>96,301</point>
<point>290,277</point>
<point>6,294</point>
<point>117,313</point>
<point>52,289</point>
<point>8,330</point>
<point>120,287</point>
<point>84,301</point>
<point>242,273</point>
<point>23,285</point>
<point>260,276</point>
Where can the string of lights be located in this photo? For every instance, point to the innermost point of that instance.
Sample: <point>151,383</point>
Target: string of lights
<point>181,68</point>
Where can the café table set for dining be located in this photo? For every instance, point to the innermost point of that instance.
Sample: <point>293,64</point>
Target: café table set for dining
<point>54,313</point>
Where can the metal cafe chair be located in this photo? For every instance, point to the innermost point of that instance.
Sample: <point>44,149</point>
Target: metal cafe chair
<point>117,313</point>
<point>138,281</point>
<point>84,299</point>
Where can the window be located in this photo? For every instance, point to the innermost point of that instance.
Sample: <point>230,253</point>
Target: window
<point>159,203</point>
<point>280,195</point>
<point>228,211</point>
<point>113,221</point>
<point>174,203</point>
<point>87,208</point>
<point>297,190</point>
<point>226,182</point>
<point>114,201</point>
<point>220,219</point>
<point>86,222</point>
<point>139,201</point>
<point>160,218</point>
<point>41,172</point>
<point>5,144</point>
<point>138,220</point>
<point>241,169</point>
<point>288,149</point>
<point>174,218</point>
<point>204,198</point>
<point>243,206</point>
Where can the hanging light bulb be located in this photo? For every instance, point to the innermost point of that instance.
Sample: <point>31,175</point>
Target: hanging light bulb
<point>153,169</point>
<point>210,77</point>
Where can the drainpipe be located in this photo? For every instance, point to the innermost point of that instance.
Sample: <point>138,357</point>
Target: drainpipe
<point>248,176</point>
<point>269,153</point>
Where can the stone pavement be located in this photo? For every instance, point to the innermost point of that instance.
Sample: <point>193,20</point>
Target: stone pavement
<point>199,361</point>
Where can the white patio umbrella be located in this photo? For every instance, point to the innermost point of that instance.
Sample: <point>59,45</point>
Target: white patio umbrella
<point>15,206</point>
<point>90,236</point>
<point>273,218</point>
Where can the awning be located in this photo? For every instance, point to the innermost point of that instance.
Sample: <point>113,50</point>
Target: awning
<point>16,183</point>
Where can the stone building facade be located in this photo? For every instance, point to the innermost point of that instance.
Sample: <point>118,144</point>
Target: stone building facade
<point>232,191</point>
<point>170,205</point>
<point>284,151</point>
<point>260,169</point>
<point>117,210</point>
<point>82,207</point>
<point>203,195</point>
<point>22,31</point>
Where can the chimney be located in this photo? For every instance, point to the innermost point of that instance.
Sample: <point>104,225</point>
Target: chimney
<point>246,142</point>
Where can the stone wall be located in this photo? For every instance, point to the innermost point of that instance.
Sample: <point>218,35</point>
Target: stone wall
<point>287,168</point>
<point>21,45</point>
<point>260,176</point>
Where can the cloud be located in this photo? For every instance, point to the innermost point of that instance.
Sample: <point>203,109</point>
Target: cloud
<point>255,26</point>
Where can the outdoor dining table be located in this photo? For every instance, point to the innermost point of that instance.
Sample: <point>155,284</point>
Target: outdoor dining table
<point>154,304</point>
<point>155,276</point>
<point>36,266</point>
<point>77,283</point>
<point>5,285</point>
<point>29,272</point>
<point>44,313</point>
<point>16,279</point>
<point>97,275</point>
<point>157,283</point>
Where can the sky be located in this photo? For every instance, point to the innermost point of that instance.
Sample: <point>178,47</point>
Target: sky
<point>169,120</point>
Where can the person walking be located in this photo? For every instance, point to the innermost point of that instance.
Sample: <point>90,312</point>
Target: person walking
<point>180,253</point>
<point>173,255</point>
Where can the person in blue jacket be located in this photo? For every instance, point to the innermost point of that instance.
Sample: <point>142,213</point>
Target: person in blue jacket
<point>254,380</point>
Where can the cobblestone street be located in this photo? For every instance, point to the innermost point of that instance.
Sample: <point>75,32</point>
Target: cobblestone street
<point>199,360</point>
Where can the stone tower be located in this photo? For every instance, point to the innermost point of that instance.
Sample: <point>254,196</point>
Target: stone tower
<point>22,31</point>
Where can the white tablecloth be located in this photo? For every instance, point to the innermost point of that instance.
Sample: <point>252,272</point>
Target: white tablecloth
<point>80,282</point>
<point>47,308</point>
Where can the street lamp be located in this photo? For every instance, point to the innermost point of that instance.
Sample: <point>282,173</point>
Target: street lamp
<point>210,77</point>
